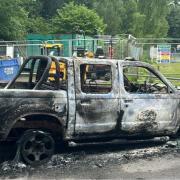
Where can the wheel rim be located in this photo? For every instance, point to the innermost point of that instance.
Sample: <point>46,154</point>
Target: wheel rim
<point>37,148</point>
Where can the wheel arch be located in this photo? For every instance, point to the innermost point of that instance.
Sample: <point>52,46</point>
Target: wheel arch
<point>44,121</point>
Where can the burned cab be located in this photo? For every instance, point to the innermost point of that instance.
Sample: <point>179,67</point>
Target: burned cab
<point>83,101</point>
<point>135,100</point>
<point>150,102</point>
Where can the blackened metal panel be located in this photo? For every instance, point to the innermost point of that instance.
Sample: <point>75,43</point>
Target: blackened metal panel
<point>71,100</point>
<point>149,113</point>
<point>19,103</point>
<point>96,113</point>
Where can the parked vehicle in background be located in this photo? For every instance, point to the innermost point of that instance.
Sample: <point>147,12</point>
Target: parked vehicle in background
<point>99,53</point>
<point>50,49</point>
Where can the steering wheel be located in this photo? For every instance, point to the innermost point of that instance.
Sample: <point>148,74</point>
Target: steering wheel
<point>159,88</point>
<point>142,88</point>
<point>154,85</point>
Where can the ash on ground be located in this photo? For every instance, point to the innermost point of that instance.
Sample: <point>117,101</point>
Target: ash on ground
<point>77,161</point>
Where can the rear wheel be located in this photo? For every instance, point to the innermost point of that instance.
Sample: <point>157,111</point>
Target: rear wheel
<point>36,147</point>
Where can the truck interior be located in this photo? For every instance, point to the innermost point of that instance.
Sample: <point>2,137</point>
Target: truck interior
<point>37,73</point>
<point>46,73</point>
<point>142,80</point>
<point>94,79</point>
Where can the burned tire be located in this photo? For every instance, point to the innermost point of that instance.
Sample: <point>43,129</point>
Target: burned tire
<point>36,147</point>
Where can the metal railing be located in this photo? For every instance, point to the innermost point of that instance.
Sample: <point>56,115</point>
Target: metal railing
<point>117,48</point>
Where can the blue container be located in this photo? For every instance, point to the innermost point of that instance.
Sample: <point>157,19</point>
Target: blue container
<point>8,69</point>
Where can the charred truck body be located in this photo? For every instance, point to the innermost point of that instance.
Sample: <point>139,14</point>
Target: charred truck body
<point>134,102</point>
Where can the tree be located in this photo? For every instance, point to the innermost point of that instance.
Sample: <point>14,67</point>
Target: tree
<point>155,12</point>
<point>121,16</point>
<point>36,22</point>
<point>132,20</point>
<point>32,7</point>
<point>49,7</point>
<point>38,25</point>
<point>138,25</point>
<point>174,22</point>
<point>13,20</point>
<point>87,3</point>
<point>112,13</point>
<point>142,18</point>
<point>72,18</point>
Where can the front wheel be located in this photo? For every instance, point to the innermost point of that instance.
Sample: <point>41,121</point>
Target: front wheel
<point>36,147</point>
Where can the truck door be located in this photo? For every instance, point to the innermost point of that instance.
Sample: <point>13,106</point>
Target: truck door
<point>97,97</point>
<point>148,101</point>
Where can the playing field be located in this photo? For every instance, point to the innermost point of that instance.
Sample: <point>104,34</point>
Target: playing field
<point>171,70</point>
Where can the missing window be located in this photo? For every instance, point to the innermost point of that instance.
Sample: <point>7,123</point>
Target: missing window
<point>96,78</point>
<point>142,80</point>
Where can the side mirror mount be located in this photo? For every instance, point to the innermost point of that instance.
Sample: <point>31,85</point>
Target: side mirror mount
<point>169,90</point>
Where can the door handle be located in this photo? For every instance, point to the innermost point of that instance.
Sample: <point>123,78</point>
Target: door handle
<point>158,96</point>
<point>128,101</point>
<point>85,101</point>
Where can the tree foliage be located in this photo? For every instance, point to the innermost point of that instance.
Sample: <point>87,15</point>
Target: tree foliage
<point>72,18</point>
<point>13,20</point>
<point>32,7</point>
<point>112,12</point>
<point>133,20</point>
<point>38,25</point>
<point>155,12</point>
<point>142,18</point>
<point>174,22</point>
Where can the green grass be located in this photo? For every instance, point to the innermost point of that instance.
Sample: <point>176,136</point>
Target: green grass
<point>170,70</point>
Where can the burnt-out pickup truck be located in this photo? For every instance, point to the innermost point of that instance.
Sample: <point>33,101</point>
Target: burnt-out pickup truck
<point>39,107</point>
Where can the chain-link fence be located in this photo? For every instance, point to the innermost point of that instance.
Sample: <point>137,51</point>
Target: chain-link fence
<point>163,54</point>
<point>150,50</point>
<point>162,50</point>
<point>109,48</point>
<point>159,52</point>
